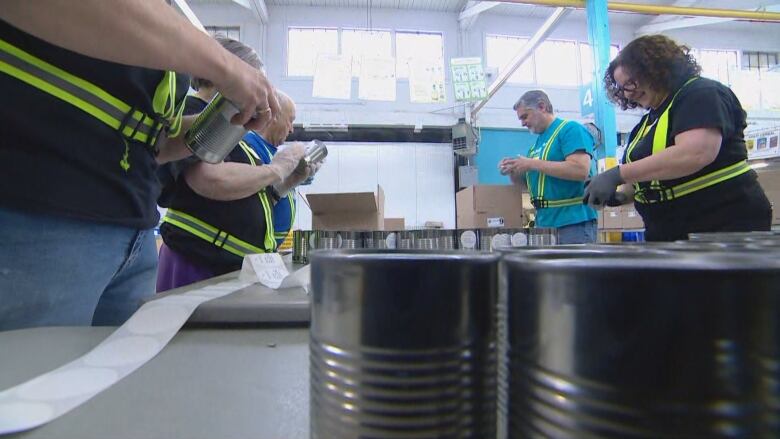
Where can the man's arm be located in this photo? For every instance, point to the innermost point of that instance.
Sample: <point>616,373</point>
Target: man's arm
<point>145,33</point>
<point>576,167</point>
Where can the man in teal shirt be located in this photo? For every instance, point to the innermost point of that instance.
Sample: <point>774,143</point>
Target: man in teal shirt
<point>555,169</point>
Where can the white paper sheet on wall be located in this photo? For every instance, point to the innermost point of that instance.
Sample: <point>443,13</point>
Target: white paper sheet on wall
<point>377,79</point>
<point>333,77</point>
<point>426,81</point>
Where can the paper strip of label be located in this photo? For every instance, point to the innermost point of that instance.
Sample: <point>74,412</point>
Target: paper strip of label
<point>51,395</point>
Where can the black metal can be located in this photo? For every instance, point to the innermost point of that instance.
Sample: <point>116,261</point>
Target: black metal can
<point>402,345</point>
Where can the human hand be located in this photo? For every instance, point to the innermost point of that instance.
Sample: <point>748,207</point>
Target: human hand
<point>518,165</point>
<point>251,91</point>
<point>602,188</point>
<point>286,160</point>
<point>618,199</point>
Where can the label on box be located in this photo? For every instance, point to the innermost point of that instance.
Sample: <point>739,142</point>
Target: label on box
<point>495,222</point>
<point>468,239</point>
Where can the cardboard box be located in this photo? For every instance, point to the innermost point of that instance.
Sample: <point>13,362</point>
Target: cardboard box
<point>613,218</point>
<point>348,211</point>
<point>631,218</point>
<point>395,224</point>
<point>489,206</point>
<point>600,218</point>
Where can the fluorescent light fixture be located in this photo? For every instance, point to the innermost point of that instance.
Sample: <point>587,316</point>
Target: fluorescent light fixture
<point>759,165</point>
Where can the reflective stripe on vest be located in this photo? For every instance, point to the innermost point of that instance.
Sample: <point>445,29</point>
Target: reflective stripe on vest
<point>540,201</point>
<point>290,197</point>
<point>210,233</point>
<point>270,240</point>
<point>659,144</point>
<point>93,100</point>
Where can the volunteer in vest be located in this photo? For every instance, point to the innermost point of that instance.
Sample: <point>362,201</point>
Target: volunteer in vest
<point>94,98</point>
<point>554,169</point>
<point>685,164</point>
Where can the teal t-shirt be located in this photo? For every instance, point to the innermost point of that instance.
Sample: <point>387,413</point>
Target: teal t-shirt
<point>572,137</point>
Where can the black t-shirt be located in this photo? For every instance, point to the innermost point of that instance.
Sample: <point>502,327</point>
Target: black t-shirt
<point>56,159</point>
<point>703,103</point>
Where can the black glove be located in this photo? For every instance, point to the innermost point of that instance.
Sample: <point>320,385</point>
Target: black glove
<point>602,188</point>
<point>618,199</point>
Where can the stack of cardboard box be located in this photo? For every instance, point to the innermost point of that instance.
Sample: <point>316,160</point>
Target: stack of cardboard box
<point>484,206</point>
<point>620,218</point>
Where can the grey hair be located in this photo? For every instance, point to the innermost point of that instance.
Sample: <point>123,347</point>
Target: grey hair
<point>237,48</point>
<point>533,99</point>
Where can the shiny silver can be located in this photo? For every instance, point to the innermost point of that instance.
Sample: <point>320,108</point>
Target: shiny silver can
<point>212,137</point>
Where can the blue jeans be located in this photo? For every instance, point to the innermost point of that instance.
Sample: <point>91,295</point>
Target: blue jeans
<point>56,271</point>
<point>580,233</point>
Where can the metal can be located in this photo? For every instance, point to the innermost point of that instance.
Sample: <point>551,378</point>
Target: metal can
<point>405,239</point>
<point>301,244</point>
<point>427,239</point>
<point>212,137</point>
<point>380,240</point>
<point>627,343</point>
<point>403,359</point>
<point>540,237</point>
<point>327,239</point>
<point>351,239</point>
<point>493,239</point>
<point>448,239</point>
<point>468,239</point>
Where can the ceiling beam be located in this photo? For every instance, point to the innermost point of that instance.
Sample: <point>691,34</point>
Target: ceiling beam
<point>187,11</point>
<point>682,22</point>
<point>258,8</point>
<point>472,10</point>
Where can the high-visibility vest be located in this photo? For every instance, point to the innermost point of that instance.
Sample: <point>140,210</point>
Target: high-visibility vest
<point>281,234</point>
<point>538,199</point>
<point>131,123</point>
<point>659,144</point>
<point>220,238</point>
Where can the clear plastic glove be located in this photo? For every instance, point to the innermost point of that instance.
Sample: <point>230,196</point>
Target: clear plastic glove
<point>315,168</point>
<point>298,177</point>
<point>285,160</point>
<point>602,188</point>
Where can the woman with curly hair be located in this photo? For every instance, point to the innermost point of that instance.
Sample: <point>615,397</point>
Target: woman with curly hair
<point>685,164</point>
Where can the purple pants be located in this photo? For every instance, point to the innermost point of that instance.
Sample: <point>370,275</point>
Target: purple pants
<point>175,271</point>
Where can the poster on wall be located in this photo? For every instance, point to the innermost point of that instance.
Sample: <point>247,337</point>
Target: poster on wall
<point>468,79</point>
<point>377,79</point>
<point>426,81</point>
<point>332,77</point>
<point>763,142</point>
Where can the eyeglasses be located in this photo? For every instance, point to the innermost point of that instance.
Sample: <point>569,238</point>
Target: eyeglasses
<point>630,86</point>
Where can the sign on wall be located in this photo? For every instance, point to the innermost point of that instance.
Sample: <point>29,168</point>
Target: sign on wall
<point>586,100</point>
<point>468,79</point>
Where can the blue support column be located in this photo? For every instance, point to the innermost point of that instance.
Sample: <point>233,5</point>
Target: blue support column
<point>598,36</point>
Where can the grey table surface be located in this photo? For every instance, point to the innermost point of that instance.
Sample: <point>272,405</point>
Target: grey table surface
<point>253,304</point>
<point>207,383</point>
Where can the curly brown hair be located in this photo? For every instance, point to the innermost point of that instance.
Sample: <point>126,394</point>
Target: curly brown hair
<point>655,61</point>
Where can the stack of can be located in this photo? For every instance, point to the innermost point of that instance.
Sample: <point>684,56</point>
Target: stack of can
<point>405,239</point>
<point>351,239</point>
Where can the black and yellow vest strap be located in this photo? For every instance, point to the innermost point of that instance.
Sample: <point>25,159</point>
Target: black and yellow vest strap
<point>655,195</point>
<point>657,192</point>
<point>209,233</point>
<point>93,100</point>
<point>254,159</point>
<point>290,198</point>
<point>538,200</point>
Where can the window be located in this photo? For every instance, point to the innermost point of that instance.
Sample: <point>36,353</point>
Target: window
<point>305,44</point>
<point>717,64</point>
<point>365,43</point>
<point>556,63</point>
<point>586,61</point>
<point>416,45</point>
<point>500,50</point>
<point>233,32</point>
<point>761,61</point>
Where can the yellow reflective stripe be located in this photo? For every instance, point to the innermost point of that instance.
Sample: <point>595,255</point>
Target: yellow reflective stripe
<point>74,90</point>
<point>291,197</point>
<point>175,127</point>
<point>210,234</point>
<point>543,156</point>
<point>564,203</point>
<point>270,240</point>
<point>710,179</point>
